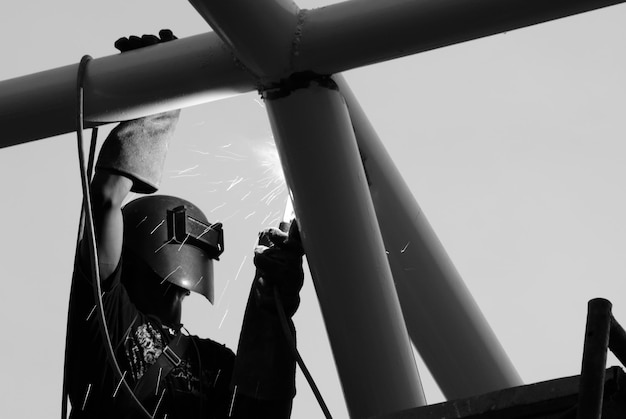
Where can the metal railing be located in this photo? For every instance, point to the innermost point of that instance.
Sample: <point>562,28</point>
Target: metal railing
<point>602,333</point>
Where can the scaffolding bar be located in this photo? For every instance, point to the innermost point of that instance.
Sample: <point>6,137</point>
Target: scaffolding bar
<point>345,251</point>
<point>446,325</point>
<point>617,341</point>
<point>592,375</point>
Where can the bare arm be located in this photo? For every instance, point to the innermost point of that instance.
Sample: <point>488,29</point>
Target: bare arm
<point>108,193</point>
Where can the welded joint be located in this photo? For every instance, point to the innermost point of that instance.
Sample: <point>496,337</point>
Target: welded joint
<point>297,81</point>
<point>297,38</point>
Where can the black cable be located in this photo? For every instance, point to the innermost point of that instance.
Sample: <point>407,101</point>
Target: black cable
<point>292,346</point>
<point>90,235</point>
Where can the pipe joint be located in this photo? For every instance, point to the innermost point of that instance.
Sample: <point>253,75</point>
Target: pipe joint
<point>296,82</point>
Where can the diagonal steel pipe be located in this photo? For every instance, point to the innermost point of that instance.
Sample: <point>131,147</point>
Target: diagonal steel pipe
<point>202,68</point>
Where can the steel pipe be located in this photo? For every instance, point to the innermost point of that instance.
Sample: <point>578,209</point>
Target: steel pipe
<point>445,323</point>
<point>158,78</point>
<point>201,68</point>
<point>344,248</point>
<point>363,32</point>
<point>259,32</point>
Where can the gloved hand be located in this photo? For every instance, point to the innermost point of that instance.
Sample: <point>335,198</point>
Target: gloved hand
<point>278,259</point>
<point>137,148</point>
<point>134,42</point>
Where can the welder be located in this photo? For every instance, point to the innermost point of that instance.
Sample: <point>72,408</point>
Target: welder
<point>152,253</point>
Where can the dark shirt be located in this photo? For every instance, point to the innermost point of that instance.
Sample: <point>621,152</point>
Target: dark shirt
<point>198,388</point>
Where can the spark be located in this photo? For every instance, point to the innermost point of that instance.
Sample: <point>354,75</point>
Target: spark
<point>190,175</point>
<point>206,230</point>
<point>235,154</point>
<point>219,156</point>
<point>223,318</point>
<point>275,221</point>
<point>246,195</point>
<point>226,145</point>
<point>218,207</point>
<point>272,194</point>
<point>159,403</point>
<point>163,245</point>
<point>91,312</point>
<point>223,291</point>
<point>167,288</point>
<point>159,225</point>
<point>211,190</point>
<point>266,217</point>
<point>180,172</point>
<point>232,403</point>
<point>141,222</point>
<point>240,266</point>
<point>119,384</point>
<point>86,396</point>
<point>249,215</point>
<point>235,182</point>
<point>194,285</point>
<point>261,104</point>
<point>170,274</point>
<point>216,377</point>
<point>156,391</point>
<point>404,248</point>
<point>231,216</point>
<point>200,152</point>
<point>183,243</point>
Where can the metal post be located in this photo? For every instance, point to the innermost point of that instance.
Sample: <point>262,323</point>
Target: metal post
<point>594,359</point>
<point>446,325</point>
<point>617,341</point>
<point>345,251</point>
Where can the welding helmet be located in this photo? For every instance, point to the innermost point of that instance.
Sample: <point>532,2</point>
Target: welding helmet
<point>175,239</point>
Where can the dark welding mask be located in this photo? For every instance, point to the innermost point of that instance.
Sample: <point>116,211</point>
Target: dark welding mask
<point>175,239</point>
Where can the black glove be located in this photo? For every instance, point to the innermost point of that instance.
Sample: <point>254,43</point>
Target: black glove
<point>134,42</point>
<point>278,259</point>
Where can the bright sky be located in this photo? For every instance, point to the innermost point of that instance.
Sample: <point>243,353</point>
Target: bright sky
<point>513,146</point>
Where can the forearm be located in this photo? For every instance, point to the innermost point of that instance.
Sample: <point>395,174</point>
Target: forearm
<point>108,192</point>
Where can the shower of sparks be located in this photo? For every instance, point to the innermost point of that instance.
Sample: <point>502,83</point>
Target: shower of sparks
<point>240,266</point>
<point>183,243</point>
<point>235,182</point>
<point>170,274</point>
<point>249,215</point>
<point>157,227</point>
<point>223,318</point>
<point>119,384</point>
<point>218,207</point>
<point>405,247</point>
<point>86,396</point>
<point>141,222</point>
<point>156,391</point>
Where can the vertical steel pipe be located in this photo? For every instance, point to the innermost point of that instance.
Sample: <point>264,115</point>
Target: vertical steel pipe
<point>595,349</point>
<point>446,325</point>
<point>345,250</point>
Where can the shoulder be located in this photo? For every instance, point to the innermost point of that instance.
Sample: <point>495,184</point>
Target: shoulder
<point>215,349</point>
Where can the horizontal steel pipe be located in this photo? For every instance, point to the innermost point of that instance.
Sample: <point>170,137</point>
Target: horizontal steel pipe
<point>446,325</point>
<point>172,75</point>
<point>363,32</point>
<point>201,68</point>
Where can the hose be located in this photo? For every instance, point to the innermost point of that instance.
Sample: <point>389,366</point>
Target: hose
<point>88,226</point>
